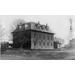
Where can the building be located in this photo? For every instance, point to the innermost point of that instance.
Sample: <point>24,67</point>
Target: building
<point>58,42</point>
<point>72,43</point>
<point>33,35</point>
<point>4,45</point>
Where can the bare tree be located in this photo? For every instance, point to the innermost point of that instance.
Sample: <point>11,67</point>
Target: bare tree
<point>1,32</point>
<point>1,35</point>
<point>14,25</point>
<point>21,37</point>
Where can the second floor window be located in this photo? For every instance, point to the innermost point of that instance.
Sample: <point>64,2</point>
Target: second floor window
<point>39,35</point>
<point>48,37</point>
<point>43,36</point>
<point>51,37</point>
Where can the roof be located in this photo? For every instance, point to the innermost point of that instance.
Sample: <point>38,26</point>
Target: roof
<point>57,42</point>
<point>33,26</point>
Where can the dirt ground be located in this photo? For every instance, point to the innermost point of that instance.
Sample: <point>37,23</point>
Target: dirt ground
<point>38,55</point>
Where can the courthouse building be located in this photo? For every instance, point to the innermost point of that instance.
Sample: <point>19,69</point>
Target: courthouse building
<point>33,35</point>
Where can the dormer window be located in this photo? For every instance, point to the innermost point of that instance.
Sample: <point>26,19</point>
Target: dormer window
<point>42,27</point>
<point>47,27</point>
<point>26,26</point>
<point>20,27</point>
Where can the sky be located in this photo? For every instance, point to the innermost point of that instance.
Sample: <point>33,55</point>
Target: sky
<point>59,24</point>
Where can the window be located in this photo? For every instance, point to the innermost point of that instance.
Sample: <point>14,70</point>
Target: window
<point>48,37</point>
<point>44,36</point>
<point>39,43</point>
<point>32,34</point>
<point>35,34</point>
<point>20,27</point>
<point>26,26</point>
<point>39,35</point>
<point>48,44</point>
<point>44,43</point>
<point>51,44</point>
<point>51,37</point>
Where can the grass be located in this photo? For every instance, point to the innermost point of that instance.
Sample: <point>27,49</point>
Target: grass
<point>34,55</point>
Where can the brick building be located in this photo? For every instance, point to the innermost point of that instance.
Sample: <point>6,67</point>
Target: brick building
<point>33,35</point>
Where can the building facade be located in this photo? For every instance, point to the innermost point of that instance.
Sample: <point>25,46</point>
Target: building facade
<point>33,35</point>
<point>72,43</point>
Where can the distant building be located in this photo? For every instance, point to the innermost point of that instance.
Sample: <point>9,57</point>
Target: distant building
<point>58,42</point>
<point>33,35</point>
<point>72,43</point>
<point>4,45</point>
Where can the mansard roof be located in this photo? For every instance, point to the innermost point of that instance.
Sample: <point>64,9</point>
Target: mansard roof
<point>33,26</point>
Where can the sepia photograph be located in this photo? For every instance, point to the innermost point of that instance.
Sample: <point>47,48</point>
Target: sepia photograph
<point>37,37</point>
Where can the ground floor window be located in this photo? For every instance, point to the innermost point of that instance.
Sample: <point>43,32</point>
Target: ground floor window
<point>40,43</point>
<point>48,44</point>
<point>44,43</point>
<point>51,44</point>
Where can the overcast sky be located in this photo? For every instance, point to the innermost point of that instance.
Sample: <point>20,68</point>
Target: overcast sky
<point>58,24</point>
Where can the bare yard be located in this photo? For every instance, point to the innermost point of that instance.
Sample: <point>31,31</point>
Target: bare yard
<point>37,55</point>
